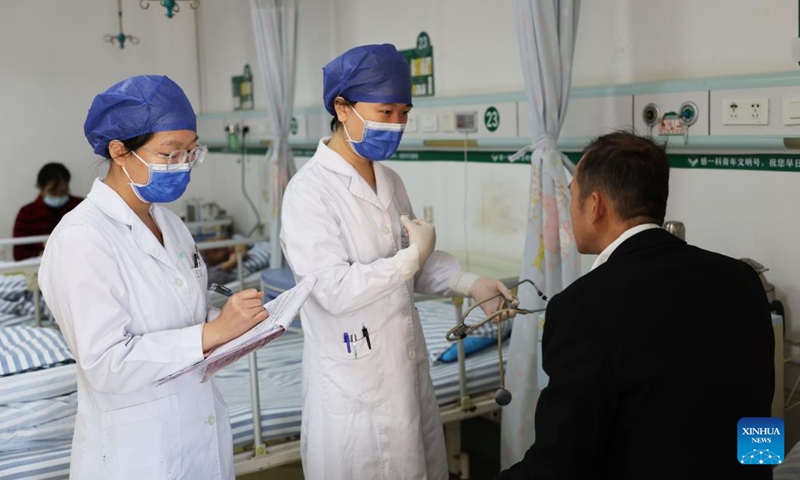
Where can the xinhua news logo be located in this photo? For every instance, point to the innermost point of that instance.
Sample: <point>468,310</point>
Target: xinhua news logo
<point>760,441</point>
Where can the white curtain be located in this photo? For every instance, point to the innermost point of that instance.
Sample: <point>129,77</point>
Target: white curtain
<point>546,35</point>
<point>275,27</point>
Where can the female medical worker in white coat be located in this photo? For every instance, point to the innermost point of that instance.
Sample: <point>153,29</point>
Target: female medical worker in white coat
<point>126,285</point>
<point>369,408</point>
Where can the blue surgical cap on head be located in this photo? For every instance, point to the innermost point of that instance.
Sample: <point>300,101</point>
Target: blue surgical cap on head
<point>135,106</point>
<point>369,73</point>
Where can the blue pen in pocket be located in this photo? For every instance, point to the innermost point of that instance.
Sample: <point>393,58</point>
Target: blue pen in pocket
<point>347,341</point>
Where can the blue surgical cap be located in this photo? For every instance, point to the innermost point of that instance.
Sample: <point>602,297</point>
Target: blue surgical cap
<point>369,73</point>
<point>135,106</point>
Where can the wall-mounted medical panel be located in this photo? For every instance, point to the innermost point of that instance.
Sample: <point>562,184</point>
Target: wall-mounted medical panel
<point>756,111</point>
<point>587,117</point>
<point>661,113</point>
<point>298,129</point>
<point>489,120</point>
<point>214,128</point>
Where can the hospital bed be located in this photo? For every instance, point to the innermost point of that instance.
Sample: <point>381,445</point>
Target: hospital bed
<point>39,447</point>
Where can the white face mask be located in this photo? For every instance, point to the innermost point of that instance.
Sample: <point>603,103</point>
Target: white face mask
<point>54,201</point>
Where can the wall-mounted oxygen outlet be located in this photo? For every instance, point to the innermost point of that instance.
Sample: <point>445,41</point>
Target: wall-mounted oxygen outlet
<point>689,113</point>
<point>745,111</point>
<point>651,115</point>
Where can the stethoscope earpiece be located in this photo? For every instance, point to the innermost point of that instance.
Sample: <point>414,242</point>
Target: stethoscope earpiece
<point>502,397</point>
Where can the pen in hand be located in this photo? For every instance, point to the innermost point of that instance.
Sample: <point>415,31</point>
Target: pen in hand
<point>221,289</point>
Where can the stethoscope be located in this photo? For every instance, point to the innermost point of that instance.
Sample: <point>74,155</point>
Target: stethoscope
<point>460,331</point>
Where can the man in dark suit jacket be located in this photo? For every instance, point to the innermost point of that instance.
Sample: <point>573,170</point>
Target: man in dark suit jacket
<point>656,353</point>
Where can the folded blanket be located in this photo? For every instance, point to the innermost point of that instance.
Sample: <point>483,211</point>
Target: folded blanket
<point>23,349</point>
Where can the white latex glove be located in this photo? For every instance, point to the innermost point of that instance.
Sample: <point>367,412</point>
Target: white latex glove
<point>422,234</point>
<point>487,287</point>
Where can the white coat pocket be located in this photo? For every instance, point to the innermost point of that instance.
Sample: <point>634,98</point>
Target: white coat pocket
<point>142,441</point>
<point>349,374</point>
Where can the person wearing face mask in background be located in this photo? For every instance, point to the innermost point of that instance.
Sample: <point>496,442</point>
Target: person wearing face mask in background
<point>42,215</point>
<point>369,408</point>
<point>127,286</point>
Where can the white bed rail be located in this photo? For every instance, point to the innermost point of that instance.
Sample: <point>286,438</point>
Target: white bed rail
<point>5,242</point>
<point>223,222</point>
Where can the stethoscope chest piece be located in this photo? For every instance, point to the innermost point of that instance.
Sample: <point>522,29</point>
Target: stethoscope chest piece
<point>502,397</point>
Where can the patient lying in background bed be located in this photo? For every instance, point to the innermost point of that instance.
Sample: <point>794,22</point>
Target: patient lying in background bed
<point>221,262</point>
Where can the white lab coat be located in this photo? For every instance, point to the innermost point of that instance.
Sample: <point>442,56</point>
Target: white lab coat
<point>132,311</point>
<point>371,413</point>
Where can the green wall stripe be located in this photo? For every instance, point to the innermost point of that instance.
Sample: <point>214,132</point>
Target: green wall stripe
<point>752,162</point>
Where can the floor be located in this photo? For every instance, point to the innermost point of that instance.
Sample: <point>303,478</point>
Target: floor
<point>480,438</point>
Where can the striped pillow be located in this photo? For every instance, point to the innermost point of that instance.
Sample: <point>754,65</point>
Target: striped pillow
<point>23,349</point>
<point>257,259</point>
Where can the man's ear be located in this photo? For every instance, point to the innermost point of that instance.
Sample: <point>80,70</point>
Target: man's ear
<point>599,206</point>
<point>340,107</point>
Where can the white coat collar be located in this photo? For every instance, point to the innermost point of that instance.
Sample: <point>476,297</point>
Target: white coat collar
<point>110,203</point>
<point>358,186</point>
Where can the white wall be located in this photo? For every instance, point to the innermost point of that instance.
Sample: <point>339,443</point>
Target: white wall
<point>227,43</point>
<point>624,41</point>
<point>54,62</point>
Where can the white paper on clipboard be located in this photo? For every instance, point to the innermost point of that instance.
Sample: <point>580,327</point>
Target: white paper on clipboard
<point>282,311</point>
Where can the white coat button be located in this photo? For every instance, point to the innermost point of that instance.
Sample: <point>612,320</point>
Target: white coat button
<point>386,230</point>
<point>178,282</point>
<point>211,420</point>
<point>412,354</point>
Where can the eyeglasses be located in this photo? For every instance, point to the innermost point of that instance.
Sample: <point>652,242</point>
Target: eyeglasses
<point>180,157</point>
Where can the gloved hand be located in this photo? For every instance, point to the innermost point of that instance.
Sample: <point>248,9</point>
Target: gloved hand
<point>487,287</point>
<point>422,234</point>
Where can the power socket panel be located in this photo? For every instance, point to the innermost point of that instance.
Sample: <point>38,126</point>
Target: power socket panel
<point>745,111</point>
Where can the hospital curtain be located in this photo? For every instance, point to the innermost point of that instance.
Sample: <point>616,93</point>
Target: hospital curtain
<point>546,36</point>
<point>275,27</point>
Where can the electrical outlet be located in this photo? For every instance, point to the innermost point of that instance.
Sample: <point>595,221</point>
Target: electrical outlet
<point>745,111</point>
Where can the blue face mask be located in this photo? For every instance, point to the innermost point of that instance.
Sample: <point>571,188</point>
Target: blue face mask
<point>55,202</point>
<point>167,182</point>
<point>379,140</point>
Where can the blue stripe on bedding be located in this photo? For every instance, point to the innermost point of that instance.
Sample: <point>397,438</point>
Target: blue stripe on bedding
<point>23,349</point>
<point>279,381</point>
<point>39,464</point>
<point>16,299</point>
<point>15,320</point>
<point>12,288</point>
<point>35,424</point>
<point>40,384</point>
<point>257,259</point>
